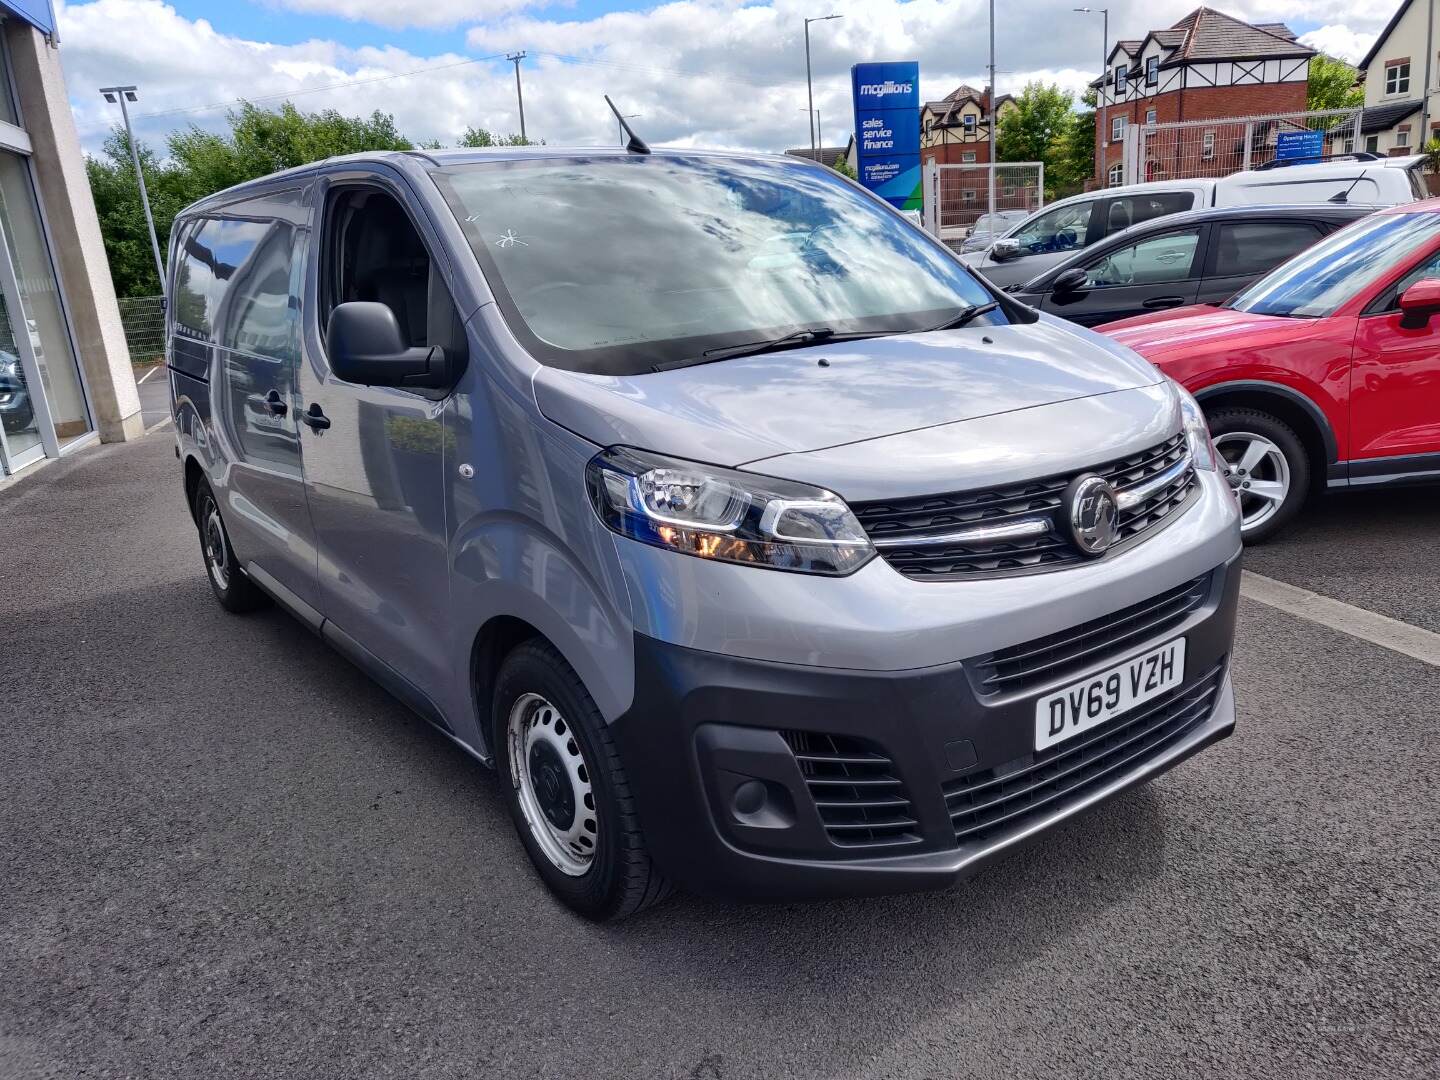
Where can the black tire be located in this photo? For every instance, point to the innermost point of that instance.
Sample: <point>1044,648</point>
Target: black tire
<point>618,879</point>
<point>236,592</point>
<point>1235,422</point>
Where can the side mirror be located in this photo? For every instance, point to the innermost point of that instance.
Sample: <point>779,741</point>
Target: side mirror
<point>365,347</point>
<point>1419,303</point>
<point>1004,249</point>
<point>1070,281</point>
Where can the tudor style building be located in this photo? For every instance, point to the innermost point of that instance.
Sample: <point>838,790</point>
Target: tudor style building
<point>1208,66</point>
<point>956,129</point>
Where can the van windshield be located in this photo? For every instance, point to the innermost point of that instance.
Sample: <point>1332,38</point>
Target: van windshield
<point>1321,278</point>
<point>613,265</point>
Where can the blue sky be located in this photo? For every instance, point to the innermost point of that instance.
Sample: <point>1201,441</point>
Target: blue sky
<point>728,73</point>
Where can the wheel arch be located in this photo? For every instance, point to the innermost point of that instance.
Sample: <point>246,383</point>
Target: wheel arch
<point>194,474</point>
<point>1287,405</point>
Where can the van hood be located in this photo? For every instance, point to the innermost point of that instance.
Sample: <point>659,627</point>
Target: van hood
<point>733,412</point>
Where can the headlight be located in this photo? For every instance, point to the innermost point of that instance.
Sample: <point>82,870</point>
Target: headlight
<point>1197,432</point>
<point>724,514</point>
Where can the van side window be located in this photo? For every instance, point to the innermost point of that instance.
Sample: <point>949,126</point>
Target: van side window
<point>194,278</point>
<point>1127,210</point>
<point>1063,229</point>
<point>373,252</point>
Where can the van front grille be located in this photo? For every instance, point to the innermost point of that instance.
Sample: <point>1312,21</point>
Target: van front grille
<point>988,803</point>
<point>911,534</point>
<point>1033,663</point>
<point>862,803</point>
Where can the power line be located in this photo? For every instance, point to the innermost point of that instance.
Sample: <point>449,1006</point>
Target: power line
<point>319,89</point>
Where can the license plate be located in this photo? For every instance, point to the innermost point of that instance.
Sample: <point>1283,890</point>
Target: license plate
<point>1106,694</point>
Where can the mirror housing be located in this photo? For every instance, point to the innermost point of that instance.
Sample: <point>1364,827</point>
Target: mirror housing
<point>1002,250</point>
<point>365,346</point>
<point>1419,303</point>
<point>1070,281</point>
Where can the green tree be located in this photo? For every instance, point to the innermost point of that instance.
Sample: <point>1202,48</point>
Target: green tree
<point>842,166</point>
<point>477,137</point>
<point>1042,127</point>
<point>1333,84</point>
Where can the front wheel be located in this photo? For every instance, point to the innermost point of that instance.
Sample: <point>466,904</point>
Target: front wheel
<point>567,790</point>
<point>236,592</point>
<point>1267,468</point>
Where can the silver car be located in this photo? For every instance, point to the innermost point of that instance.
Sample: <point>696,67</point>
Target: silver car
<point>758,545</point>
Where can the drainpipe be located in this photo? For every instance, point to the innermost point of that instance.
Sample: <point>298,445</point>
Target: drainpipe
<point>1429,56</point>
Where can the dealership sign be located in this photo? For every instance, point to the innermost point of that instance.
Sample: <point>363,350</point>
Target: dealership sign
<point>887,130</point>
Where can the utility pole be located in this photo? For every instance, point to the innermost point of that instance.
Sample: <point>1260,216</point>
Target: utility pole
<point>123,94</point>
<point>809,87</point>
<point>994,134</point>
<point>515,59</point>
<point>819,130</point>
<point>1102,112</point>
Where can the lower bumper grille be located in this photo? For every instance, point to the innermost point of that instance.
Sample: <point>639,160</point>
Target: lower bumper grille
<point>984,804</point>
<point>862,803</point>
<point>1071,651</point>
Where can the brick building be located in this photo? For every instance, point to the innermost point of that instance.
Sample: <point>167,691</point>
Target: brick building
<point>956,129</point>
<point>1209,65</point>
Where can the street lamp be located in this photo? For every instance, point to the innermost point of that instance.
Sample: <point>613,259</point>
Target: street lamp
<point>1101,114</point>
<point>124,94</point>
<point>809,88</point>
<point>819,130</point>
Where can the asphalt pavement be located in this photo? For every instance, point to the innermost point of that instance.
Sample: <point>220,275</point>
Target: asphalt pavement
<point>226,853</point>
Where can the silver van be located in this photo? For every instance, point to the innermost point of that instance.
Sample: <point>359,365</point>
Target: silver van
<point>757,544</point>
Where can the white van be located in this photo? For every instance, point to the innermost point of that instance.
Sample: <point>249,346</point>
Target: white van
<point>1059,230</point>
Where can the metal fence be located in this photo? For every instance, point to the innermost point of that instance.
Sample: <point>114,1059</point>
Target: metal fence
<point>144,320</point>
<point>1188,149</point>
<point>956,195</point>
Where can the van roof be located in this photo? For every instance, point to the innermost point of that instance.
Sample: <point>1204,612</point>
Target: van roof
<point>434,159</point>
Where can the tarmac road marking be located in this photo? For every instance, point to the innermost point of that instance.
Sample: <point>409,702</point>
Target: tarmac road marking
<point>1388,633</point>
<point>147,374</point>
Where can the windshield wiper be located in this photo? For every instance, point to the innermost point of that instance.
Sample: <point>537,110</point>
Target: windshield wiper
<point>796,339</point>
<point>961,317</point>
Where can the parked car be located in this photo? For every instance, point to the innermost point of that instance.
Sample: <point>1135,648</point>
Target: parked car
<point>988,227</point>
<point>1058,231</point>
<point>1324,373</point>
<point>17,412</point>
<point>1201,256</point>
<point>745,570</point>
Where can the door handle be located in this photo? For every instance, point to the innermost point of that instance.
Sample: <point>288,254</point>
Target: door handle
<point>275,405</point>
<point>314,417</point>
<point>1163,302</point>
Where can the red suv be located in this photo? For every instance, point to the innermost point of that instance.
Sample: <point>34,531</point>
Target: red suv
<point>1324,373</point>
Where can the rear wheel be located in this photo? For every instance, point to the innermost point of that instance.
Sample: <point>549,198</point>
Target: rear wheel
<point>567,790</point>
<point>236,592</point>
<point>1265,463</point>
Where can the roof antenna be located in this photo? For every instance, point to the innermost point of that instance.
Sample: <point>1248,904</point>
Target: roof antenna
<point>636,145</point>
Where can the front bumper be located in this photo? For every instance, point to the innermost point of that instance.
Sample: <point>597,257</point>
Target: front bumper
<point>710,745</point>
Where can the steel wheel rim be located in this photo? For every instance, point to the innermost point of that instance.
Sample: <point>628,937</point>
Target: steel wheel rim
<point>1258,473</point>
<point>548,768</point>
<point>212,535</point>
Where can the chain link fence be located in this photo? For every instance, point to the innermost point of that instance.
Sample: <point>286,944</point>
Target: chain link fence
<point>143,318</point>
<point>1192,149</point>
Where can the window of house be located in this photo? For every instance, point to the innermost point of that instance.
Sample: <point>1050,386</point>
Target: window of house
<point>1117,174</point>
<point>968,195</point>
<point>1402,136</point>
<point>1397,77</point>
<point>1119,78</point>
<point>1348,146</point>
<point>1207,146</point>
<point>1149,116</point>
<point>968,157</point>
<point>1117,128</point>
<point>969,124</point>
<point>1152,70</point>
<point>1372,144</point>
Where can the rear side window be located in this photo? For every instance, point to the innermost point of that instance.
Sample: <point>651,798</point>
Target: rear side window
<point>1256,247</point>
<point>1126,210</point>
<point>1154,261</point>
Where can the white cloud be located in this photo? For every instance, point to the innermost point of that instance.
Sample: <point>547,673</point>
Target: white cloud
<point>1339,41</point>
<point>401,13</point>
<point>726,73</point>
